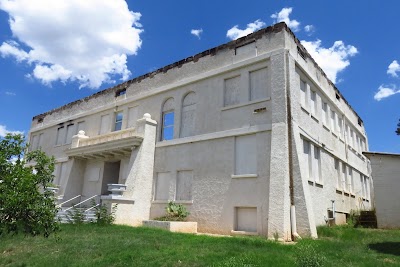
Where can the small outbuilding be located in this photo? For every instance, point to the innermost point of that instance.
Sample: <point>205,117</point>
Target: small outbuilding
<point>386,176</point>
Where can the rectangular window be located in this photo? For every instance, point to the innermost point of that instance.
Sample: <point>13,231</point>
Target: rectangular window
<point>325,114</point>
<point>231,91</point>
<point>40,141</point>
<point>350,180</point>
<point>351,139</point>
<point>346,133</point>
<point>258,84</point>
<point>133,116</point>
<point>333,121</point>
<point>307,158</point>
<point>337,169</point>
<point>313,103</point>
<point>161,191</point>
<point>34,142</point>
<point>60,135</point>
<point>340,127</point>
<point>184,185</point>
<point>316,165</point>
<point>303,93</point>
<point>118,121</point>
<point>80,127</point>
<point>344,177</point>
<point>70,133</point>
<point>60,173</point>
<point>104,124</point>
<point>246,154</point>
<point>366,182</point>
<point>246,219</point>
<point>168,126</point>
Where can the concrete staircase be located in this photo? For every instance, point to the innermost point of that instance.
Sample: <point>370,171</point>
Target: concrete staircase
<point>67,216</point>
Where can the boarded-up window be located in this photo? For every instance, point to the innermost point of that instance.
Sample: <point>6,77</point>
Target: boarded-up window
<point>259,84</point>
<point>133,116</point>
<point>188,115</point>
<point>316,164</point>
<point>184,185</point>
<point>303,93</point>
<point>313,102</point>
<point>248,49</point>
<point>325,114</point>
<point>80,126</point>
<point>161,191</point>
<point>246,219</point>
<point>307,158</point>
<point>344,177</point>
<point>104,124</point>
<point>40,141</point>
<point>333,121</point>
<point>337,169</point>
<point>70,133</point>
<point>60,173</point>
<point>60,135</point>
<point>34,142</point>
<point>246,154</point>
<point>350,180</point>
<point>231,91</point>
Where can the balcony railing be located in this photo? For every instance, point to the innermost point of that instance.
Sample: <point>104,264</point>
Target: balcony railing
<point>117,135</point>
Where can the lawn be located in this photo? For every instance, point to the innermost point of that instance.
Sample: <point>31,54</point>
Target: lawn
<point>92,245</point>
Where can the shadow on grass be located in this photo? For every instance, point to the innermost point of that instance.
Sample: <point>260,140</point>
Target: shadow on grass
<point>386,247</point>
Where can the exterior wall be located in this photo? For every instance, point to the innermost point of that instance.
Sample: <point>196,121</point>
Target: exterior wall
<point>385,171</point>
<point>224,106</point>
<point>315,197</point>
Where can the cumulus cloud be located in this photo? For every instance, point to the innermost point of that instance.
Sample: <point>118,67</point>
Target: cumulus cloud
<point>197,32</point>
<point>4,131</point>
<point>235,33</point>
<point>283,15</point>
<point>309,29</point>
<point>393,68</point>
<point>84,41</point>
<point>385,91</point>
<point>333,59</point>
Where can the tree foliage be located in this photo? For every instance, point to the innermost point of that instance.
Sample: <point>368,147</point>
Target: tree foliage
<point>25,203</point>
<point>398,128</point>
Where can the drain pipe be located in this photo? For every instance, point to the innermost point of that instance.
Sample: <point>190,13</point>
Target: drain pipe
<point>293,225</point>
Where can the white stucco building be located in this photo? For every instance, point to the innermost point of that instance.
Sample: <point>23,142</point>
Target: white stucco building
<point>239,134</point>
<point>386,174</point>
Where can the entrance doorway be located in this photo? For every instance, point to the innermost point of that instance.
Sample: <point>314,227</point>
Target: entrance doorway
<point>110,175</point>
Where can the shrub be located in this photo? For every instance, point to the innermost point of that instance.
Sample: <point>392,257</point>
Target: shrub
<point>25,204</point>
<point>103,216</point>
<point>175,212</point>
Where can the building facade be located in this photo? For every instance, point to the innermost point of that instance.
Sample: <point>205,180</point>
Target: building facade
<point>251,136</point>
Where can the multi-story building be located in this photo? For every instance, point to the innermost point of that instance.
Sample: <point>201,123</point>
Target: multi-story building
<point>251,136</point>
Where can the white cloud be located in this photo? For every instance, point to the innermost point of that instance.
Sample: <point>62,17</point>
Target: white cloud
<point>4,131</point>
<point>196,32</point>
<point>332,60</point>
<point>393,68</point>
<point>10,93</point>
<point>309,29</point>
<point>235,33</point>
<point>384,92</point>
<point>85,41</point>
<point>283,15</point>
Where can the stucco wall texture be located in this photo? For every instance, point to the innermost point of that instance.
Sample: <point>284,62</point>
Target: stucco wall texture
<point>217,191</point>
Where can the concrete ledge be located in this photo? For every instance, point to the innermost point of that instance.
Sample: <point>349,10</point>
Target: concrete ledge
<point>244,233</point>
<point>179,227</point>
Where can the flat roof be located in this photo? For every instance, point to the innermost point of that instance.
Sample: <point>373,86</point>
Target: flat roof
<point>367,154</point>
<point>278,27</point>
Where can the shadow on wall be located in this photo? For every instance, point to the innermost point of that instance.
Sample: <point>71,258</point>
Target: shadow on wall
<point>386,247</point>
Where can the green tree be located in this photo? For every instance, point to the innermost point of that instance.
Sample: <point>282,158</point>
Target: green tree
<point>25,204</point>
<point>398,128</point>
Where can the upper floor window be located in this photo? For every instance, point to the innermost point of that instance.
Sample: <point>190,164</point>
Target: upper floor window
<point>231,91</point>
<point>104,124</point>
<point>168,120</point>
<point>258,84</point>
<point>303,93</point>
<point>118,121</point>
<point>60,135</point>
<point>188,115</point>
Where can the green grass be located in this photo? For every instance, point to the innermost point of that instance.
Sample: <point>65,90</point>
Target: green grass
<point>92,245</point>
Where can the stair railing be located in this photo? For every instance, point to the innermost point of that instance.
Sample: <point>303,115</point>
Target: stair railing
<point>80,203</point>
<point>59,205</point>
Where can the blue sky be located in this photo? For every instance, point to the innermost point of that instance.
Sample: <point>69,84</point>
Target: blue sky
<point>55,52</point>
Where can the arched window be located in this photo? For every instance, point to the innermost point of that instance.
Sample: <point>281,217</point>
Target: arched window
<point>168,118</point>
<point>188,115</point>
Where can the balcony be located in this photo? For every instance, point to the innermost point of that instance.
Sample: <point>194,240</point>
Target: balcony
<point>114,144</point>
